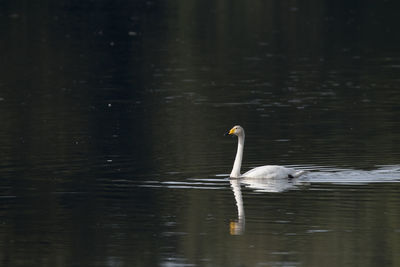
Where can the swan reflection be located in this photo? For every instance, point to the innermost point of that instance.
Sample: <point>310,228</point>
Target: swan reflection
<point>269,185</point>
<point>237,227</point>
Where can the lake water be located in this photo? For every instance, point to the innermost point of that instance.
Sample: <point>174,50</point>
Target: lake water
<point>112,119</point>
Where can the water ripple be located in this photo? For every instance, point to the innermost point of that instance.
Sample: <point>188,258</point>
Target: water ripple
<point>316,175</point>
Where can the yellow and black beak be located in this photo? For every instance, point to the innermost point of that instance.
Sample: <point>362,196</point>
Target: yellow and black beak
<point>232,131</point>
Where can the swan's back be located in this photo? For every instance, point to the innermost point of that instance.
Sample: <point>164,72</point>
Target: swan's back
<point>272,172</point>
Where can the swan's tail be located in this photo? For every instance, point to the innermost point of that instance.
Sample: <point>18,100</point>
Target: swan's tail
<point>299,173</point>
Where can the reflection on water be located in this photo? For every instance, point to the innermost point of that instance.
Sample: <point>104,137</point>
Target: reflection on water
<point>271,185</point>
<point>238,227</point>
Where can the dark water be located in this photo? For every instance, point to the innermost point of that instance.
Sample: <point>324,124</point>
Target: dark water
<point>112,118</point>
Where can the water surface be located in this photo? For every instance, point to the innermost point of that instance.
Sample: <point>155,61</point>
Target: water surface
<point>112,121</point>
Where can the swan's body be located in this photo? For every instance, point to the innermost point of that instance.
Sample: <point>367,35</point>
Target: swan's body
<point>267,171</point>
<point>270,171</point>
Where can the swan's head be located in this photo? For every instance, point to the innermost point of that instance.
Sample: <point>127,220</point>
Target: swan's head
<point>236,130</point>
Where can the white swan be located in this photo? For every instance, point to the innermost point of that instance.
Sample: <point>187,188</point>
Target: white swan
<point>268,171</point>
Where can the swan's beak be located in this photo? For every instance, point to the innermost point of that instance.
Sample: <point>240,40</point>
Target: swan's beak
<point>232,131</point>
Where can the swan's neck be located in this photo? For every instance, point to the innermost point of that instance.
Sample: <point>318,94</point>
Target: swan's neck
<point>238,159</point>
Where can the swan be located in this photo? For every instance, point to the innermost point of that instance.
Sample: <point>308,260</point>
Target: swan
<point>267,171</point>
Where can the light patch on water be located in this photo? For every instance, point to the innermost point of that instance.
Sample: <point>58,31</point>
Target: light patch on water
<point>384,174</point>
<point>314,231</point>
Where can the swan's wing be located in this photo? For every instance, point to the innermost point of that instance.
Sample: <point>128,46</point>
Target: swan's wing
<point>269,171</point>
